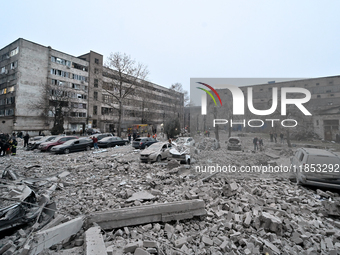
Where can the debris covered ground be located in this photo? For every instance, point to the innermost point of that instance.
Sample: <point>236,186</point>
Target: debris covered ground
<point>101,196</point>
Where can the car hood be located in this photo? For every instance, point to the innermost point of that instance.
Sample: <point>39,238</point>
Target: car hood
<point>148,152</point>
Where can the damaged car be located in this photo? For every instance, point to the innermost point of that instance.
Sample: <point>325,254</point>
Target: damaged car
<point>182,154</point>
<point>185,141</point>
<point>82,144</point>
<point>143,142</point>
<point>234,143</point>
<point>34,144</point>
<point>156,152</point>
<point>316,167</point>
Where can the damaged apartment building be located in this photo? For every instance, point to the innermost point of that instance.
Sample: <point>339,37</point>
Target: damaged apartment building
<point>324,106</point>
<point>30,72</point>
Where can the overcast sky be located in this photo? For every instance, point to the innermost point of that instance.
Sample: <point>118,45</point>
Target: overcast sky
<point>179,40</point>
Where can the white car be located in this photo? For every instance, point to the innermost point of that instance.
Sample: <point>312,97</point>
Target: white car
<point>185,141</point>
<point>316,167</point>
<point>156,152</point>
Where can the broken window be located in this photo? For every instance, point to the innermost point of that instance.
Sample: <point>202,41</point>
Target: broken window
<point>79,67</point>
<point>79,77</point>
<point>95,95</point>
<point>95,109</point>
<point>95,84</point>
<point>14,65</point>
<point>59,73</point>
<point>61,61</point>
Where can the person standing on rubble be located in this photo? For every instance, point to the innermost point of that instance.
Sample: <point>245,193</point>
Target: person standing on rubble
<point>281,137</point>
<point>26,138</point>
<point>260,144</point>
<point>129,137</point>
<point>13,145</point>
<point>255,140</point>
<point>275,137</point>
<point>95,142</point>
<point>271,136</point>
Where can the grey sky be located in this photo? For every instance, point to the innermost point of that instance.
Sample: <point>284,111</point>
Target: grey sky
<point>179,40</point>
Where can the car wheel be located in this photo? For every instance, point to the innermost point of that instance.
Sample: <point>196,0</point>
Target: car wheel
<point>66,151</point>
<point>49,149</point>
<point>158,158</point>
<point>88,148</point>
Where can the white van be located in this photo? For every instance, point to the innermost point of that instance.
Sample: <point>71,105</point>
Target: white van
<point>316,167</point>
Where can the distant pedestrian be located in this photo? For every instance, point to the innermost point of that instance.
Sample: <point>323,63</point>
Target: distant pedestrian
<point>129,137</point>
<point>134,136</point>
<point>281,137</point>
<point>255,140</point>
<point>275,137</point>
<point>95,142</point>
<point>271,136</point>
<point>260,141</point>
<point>26,138</point>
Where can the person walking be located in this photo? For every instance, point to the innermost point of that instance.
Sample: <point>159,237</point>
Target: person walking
<point>275,137</point>
<point>13,145</point>
<point>260,144</point>
<point>281,137</point>
<point>129,137</point>
<point>255,140</point>
<point>95,143</point>
<point>271,136</point>
<point>26,138</point>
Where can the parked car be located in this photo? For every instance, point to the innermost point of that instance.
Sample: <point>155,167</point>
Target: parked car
<point>234,143</point>
<point>316,167</point>
<point>47,146</point>
<point>111,141</point>
<point>156,152</point>
<point>73,145</point>
<point>186,141</point>
<point>34,144</point>
<point>143,142</point>
<point>101,136</point>
<point>91,131</point>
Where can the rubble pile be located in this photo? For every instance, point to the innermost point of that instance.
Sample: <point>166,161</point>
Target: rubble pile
<point>235,213</point>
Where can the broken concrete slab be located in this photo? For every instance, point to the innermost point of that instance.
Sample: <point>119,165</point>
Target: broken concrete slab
<point>149,213</point>
<point>94,242</point>
<point>140,196</point>
<point>46,238</point>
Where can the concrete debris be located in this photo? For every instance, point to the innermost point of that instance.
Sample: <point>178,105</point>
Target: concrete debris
<point>163,208</point>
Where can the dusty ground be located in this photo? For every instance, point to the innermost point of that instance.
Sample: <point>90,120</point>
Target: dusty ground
<point>248,213</point>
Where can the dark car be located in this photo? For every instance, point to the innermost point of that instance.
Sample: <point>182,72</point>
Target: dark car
<point>143,142</point>
<point>101,136</point>
<point>34,144</point>
<point>73,145</point>
<point>47,146</point>
<point>234,143</point>
<point>111,142</point>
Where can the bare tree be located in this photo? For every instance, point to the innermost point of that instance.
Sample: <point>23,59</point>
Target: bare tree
<point>126,76</point>
<point>54,103</point>
<point>179,88</point>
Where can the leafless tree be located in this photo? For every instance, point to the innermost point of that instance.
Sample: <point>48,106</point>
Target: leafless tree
<point>126,76</point>
<point>179,88</point>
<point>55,104</point>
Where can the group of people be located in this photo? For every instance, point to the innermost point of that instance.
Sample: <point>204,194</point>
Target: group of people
<point>8,144</point>
<point>273,137</point>
<point>258,144</point>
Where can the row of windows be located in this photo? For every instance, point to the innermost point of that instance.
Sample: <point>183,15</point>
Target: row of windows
<point>68,75</point>
<point>6,112</point>
<point>8,100</point>
<point>78,105</point>
<point>10,54</point>
<point>66,84</point>
<point>8,78</point>
<point>7,90</point>
<point>78,114</point>
<point>68,94</point>
<point>61,61</point>
<point>12,66</point>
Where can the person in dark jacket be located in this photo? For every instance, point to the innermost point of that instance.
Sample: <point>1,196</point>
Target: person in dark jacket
<point>26,138</point>
<point>255,140</point>
<point>13,145</point>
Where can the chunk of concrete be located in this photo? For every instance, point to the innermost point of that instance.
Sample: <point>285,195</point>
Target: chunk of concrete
<point>94,242</point>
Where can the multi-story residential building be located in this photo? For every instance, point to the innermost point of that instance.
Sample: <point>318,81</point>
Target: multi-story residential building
<point>324,106</point>
<point>30,73</point>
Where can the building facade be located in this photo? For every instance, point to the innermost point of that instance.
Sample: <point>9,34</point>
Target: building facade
<point>31,73</point>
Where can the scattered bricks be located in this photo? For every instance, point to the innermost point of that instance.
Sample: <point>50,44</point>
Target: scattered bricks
<point>180,242</point>
<point>296,238</point>
<point>147,227</point>
<point>94,241</point>
<point>207,241</point>
<point>322,193</point>
<point>270,245</point>
<point>131,247</point>
<point>269,223</point>
<point>109,250</point>
<point>152,250</point>
<point>330,232</point>
<point>156,192</point>
<point>150,244</point>
<point>247,220</point>
<point>179,228</point>
<point>329,243</point>
<point>140,251</point>
<point>331,207</point>
<point>6,247</point>
<point>126,230</point>
<point>247,252</point>
<point>224,246</point>
<point>217,241</point>
<point>134,234</point>
<point>230,189</point>
<point>22,233</point>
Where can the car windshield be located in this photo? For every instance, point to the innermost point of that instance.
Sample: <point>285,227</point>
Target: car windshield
<point>69,142</point>
<point>156,146</point>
